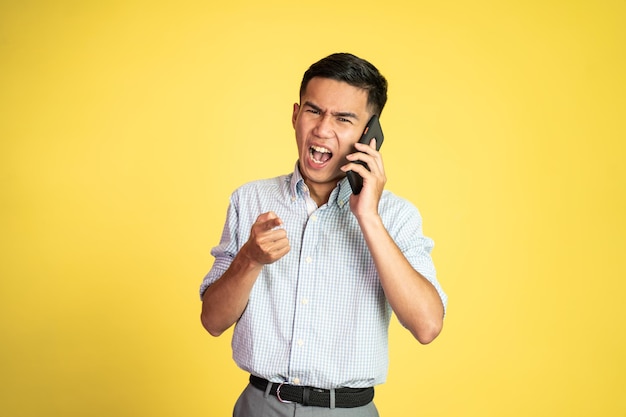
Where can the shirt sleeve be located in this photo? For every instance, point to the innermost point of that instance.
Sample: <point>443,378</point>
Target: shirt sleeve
<point>405,226</point>
<point>225,252</point>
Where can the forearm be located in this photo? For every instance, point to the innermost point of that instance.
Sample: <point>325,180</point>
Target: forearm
<point>414,299</point>
<point>225,300</point>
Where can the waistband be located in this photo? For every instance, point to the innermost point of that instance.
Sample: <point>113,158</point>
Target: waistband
<point>317,397</point>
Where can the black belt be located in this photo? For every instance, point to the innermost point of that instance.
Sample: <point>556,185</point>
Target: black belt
<point>344,397</point>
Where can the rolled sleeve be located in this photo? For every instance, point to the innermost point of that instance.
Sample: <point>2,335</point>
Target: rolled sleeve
<point>225,252</point>
<point>406,228</point>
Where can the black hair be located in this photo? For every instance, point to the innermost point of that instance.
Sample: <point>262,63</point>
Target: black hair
<point>352,70</point>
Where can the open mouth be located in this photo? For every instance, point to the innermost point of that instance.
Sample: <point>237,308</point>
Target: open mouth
<point>320,155</point>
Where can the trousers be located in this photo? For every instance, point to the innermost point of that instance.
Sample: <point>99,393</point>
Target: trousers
<point>255,403</point>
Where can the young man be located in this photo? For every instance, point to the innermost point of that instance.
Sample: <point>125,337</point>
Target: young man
<point>310,273</point>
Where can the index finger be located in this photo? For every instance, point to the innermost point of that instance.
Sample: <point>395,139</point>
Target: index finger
<point>269,220</point>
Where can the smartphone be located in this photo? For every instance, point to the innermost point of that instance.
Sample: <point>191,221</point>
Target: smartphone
<point>372,130</point>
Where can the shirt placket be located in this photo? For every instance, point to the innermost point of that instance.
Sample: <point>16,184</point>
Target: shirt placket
<point>302,345</point>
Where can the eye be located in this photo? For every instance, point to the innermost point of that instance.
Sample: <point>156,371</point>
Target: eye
<point>312,111</point>
<point>344,120</point>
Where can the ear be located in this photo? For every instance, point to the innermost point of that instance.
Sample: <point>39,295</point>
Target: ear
<point>294,116</point>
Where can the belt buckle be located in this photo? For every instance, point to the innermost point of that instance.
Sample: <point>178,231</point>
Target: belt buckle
<point>278,395</point>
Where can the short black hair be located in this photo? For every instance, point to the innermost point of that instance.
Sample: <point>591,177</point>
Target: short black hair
<point>353,70</point>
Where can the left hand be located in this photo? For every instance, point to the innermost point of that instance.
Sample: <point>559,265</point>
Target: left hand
<point>366,203</point>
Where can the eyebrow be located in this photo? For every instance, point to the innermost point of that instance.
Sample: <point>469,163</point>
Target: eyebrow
<point>344,114</point>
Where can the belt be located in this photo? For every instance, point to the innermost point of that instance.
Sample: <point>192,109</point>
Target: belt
<point>309,396</point>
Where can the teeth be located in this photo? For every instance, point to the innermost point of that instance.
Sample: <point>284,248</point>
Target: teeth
<point>320,149</point>
<point>320,155</point>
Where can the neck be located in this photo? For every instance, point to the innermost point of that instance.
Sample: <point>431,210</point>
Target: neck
<point>320,193</point>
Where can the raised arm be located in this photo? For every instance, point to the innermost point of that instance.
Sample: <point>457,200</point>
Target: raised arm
<point>414,300</point>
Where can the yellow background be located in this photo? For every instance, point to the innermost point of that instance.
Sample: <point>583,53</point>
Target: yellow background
<point>125,125</point>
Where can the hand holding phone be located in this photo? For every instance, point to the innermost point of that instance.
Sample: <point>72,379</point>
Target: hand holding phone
<point>372,130</point>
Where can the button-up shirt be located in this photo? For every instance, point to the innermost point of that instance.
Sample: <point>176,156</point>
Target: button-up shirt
<point>318,316</point>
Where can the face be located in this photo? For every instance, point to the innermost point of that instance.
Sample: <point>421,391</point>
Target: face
<point>328,121</point>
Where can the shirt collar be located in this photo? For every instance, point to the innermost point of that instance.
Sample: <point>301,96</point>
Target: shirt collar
<point>296,184</point>
<point>340,195</point>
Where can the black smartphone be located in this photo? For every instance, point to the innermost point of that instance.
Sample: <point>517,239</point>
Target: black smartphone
<point>372,130</point>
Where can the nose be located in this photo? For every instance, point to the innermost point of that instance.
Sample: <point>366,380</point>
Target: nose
<point>323,127</point>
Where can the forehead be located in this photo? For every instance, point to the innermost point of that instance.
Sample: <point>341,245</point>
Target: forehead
<point>333,95</point>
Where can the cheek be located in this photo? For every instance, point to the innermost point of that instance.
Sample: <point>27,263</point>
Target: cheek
<point>347,145</point>
<point>300,140</point>
<point>302,132</point>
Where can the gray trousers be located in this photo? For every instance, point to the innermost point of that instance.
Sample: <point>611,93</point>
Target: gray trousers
<point>255,403</point>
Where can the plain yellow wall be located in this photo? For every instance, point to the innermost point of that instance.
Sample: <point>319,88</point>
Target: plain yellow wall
<point>125,125</point>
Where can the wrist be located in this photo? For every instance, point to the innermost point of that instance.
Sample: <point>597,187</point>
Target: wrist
<point>370,221</point>
<point>247,259</point>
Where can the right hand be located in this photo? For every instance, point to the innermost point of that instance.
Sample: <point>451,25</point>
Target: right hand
<point>267,243</point>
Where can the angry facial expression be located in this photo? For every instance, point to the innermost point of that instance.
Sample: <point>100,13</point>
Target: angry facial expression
<point>328,121</point>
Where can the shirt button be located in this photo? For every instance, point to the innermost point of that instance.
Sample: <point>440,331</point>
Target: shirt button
<point>305,301</point>
<point>296,381</point>
<point>313,217</point>
<point>309,259</point>
<point>300,342</point>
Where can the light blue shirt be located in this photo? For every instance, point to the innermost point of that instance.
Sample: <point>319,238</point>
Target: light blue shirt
<point>318,316</point>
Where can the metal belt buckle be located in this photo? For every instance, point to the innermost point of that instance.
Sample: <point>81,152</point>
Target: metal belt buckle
<point>278,395</point>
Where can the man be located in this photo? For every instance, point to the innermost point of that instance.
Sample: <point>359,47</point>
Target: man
<point>310,272</point>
